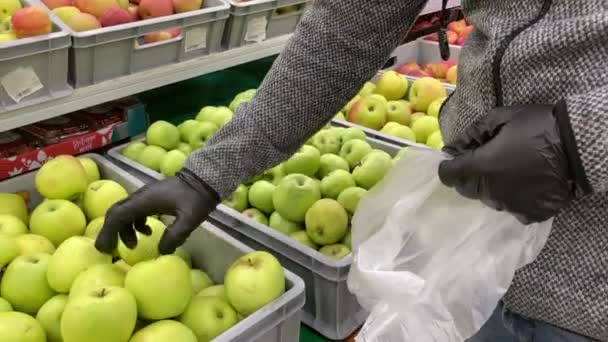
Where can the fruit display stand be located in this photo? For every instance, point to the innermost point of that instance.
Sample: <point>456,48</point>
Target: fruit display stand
<point>34,69</point>
<point>213,250</point>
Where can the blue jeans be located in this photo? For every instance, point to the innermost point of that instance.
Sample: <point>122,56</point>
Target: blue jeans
<point>506,326</point>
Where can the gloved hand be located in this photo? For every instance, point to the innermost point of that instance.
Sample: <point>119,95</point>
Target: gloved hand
<point>520,159</point>
<point>184,196</point>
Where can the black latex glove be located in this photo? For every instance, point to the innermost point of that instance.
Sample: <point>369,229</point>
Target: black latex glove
<point>520,159</point>
<point>184,196</point>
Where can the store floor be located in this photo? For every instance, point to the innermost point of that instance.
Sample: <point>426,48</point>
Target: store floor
<point>309,335</point>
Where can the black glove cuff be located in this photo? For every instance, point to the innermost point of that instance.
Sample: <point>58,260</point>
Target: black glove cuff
<point>198,185</point>
<point>560,111</point>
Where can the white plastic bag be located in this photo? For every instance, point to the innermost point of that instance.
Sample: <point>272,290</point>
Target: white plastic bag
<point>429,264</point>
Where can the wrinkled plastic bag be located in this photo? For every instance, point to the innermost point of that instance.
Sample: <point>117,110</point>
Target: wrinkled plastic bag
<point>430,265</point>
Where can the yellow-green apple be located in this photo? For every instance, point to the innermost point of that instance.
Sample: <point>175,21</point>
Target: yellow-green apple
<point>162,287</point>
<point>354,150</point>
<point>260,196</point>
<point>32,244</point>
<point>65,12</point>
<point>333,184</point>
<point>93,228</point>
<point>398,130</point>
<point>172,162</point>
<point>303,238</point>
<point>122,265</point>
<point>95,7</point>
<point>335,251</point>
<point>151,157</point>
<point>91,169</point>
<point>155,8</point>
<point>380,97</point>
<point>163,331</point>
<point>283,225</point>
<point>349,198</point>
<point>124,4</point>
<point>19,327</point>
<point>367,89</point>
<point>340,116</point>
<point>392,85</point>
<point>30,21</point>
<point>147,245</point>
<point>102,314</point>
<point>115,16</point>
<point>57,220</point>
<point>185,255</point>
<point>52,4</point>
<point>275,174</point>
<point>200,133</point>
<point>256,215</point>
<point>8,250</point>
<point>11,225</point>
<point>133,150</point>
<point>62,178</point>
<point>214,291</point>
<point>8,7</point>
<point>103,275</point>
<point>205,113</point>
<point>184,148</point>
<point>416,116</point>
<point>208,317</point>
<point>220,116</point>
<point>372,169</point>
<point>350,104</point>
<point>369,112</point>
<point>399,155</point>
<point>435,107</point>
<point>101,196</point>
<point>80,22</point>
<point>424,91</point>
<point>424,126</point>
<point>399,111</point>
<point>24,283</point>
<point>237,102</point>
<point>199,280</point>
<point>238,200</point>
<point>186,5</point>
<point>348,240</point>
<point>7,37</point>
<point>49,317</point>
<point>258,273</point>
<point>294,195</point>
<point>163,134</point>
<point>13,204</point>
<point>305,161</point>
<point>352,133</point>
<point>5,306</point>
<point>326,222</point>
<point>331,162</point>
<point>327,141</point>
<point>73,256</point>
<point>435,141</point>
<point>185,127</point>
<point>451,74</point>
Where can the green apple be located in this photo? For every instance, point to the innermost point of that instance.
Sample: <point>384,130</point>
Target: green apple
<point>199,281</point>
<point>208,317</point>
<point>326,222</point>
<point>392,85</point>
<point>398,130</point>
<point>354,150</point>
<point>331,162</point>
<point>73,256</point>
<point>102,314</point>
<point>399,112</point>
<point>214,291</point>
<point>340,116</point>
<point>147,245</point>
<point>303,238</point>
<point>435,107</point>
<point>122,265</point>
<point>97,276</point>
<point>274,175</point>
<point>5,306</point>
<point>133,150</point>
<point>399,155</point>
<point>94,227</point>
<point>32,244</point>
<point>283,225</point>
<point>254,280</point>
<point>236,103</point>
<point>348,240</point>
<point>57,220</point>
<point>238,200</point>
<point>24,283</point>
<point>162,287</point>
<point>335,182</point>
<point>7,9</point>
<point>367,89</point>
<point>350,104</point>
<point>101,196</point>
<point>260,196</point>
<point>335,251</point>
<point>8,250</point>
<point>11,225</point>
<point>205,113</point>
<point>372,169</point>
<point>352,133</point>
<point>424,91</point>
<point>435,141</point>
<point>185,128</point>
<point>369,112</point>
<point>306,161</point>
<point>62,178</point>
<point>294,195</point>
<point>49,317</point>
<point>19,327</point>
<point>91,169</point>
<point>151,156</point>
<point>199,134</point>
<point>416,116</point>
<point>221,116</point>
<point>327,141</point>
<point>185,255</point>
<point>349,198</point>
<point>184,148</point>
<point>424,127</point>
<point>13,204</point>
<point>163,134</point>
<point>256,215</point>
<point>172,162</point>
<point>164,331</point>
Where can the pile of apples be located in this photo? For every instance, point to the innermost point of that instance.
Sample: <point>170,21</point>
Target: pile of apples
<point>56,286</point>
<point>18,22</point>
<point>381,106</point>
<point>457,32</point>
<point>445,71</point>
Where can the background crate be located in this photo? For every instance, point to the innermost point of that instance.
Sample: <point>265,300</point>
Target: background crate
<point>258,20</point>
<point>213,251</point>
<point>47,55</point>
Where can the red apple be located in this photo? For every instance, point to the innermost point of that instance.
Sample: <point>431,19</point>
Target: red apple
<point>31,21</point>
<point>155,8</point>
<point>457,26</point>
<point>408,68</point>
<point>52,4</point>
<point>452,37</point>
<point>133,11</point>
<point>115,16</point>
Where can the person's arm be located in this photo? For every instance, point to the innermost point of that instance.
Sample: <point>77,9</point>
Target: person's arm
<point>338,45</point>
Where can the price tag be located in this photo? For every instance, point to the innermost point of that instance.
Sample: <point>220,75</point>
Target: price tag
<point>196,39</point>
<point>256,30</point>
<point>20,83</point>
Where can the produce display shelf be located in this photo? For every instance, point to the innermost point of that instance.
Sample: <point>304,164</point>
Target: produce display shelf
<point>140,82</point>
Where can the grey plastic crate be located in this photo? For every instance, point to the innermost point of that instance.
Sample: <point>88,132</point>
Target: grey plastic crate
<point>255,21</point>
<point>330,308</point>
<point>107,53</point>
<point>46,55</point>
<point>214,251</point>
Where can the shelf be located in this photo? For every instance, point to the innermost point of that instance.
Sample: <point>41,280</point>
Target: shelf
<point>140,82</point>
<point>435,6</point>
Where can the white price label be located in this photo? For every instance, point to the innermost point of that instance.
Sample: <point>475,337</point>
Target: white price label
<point>256,30</point>
<point>20,83</point>
<point>196,39</point>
